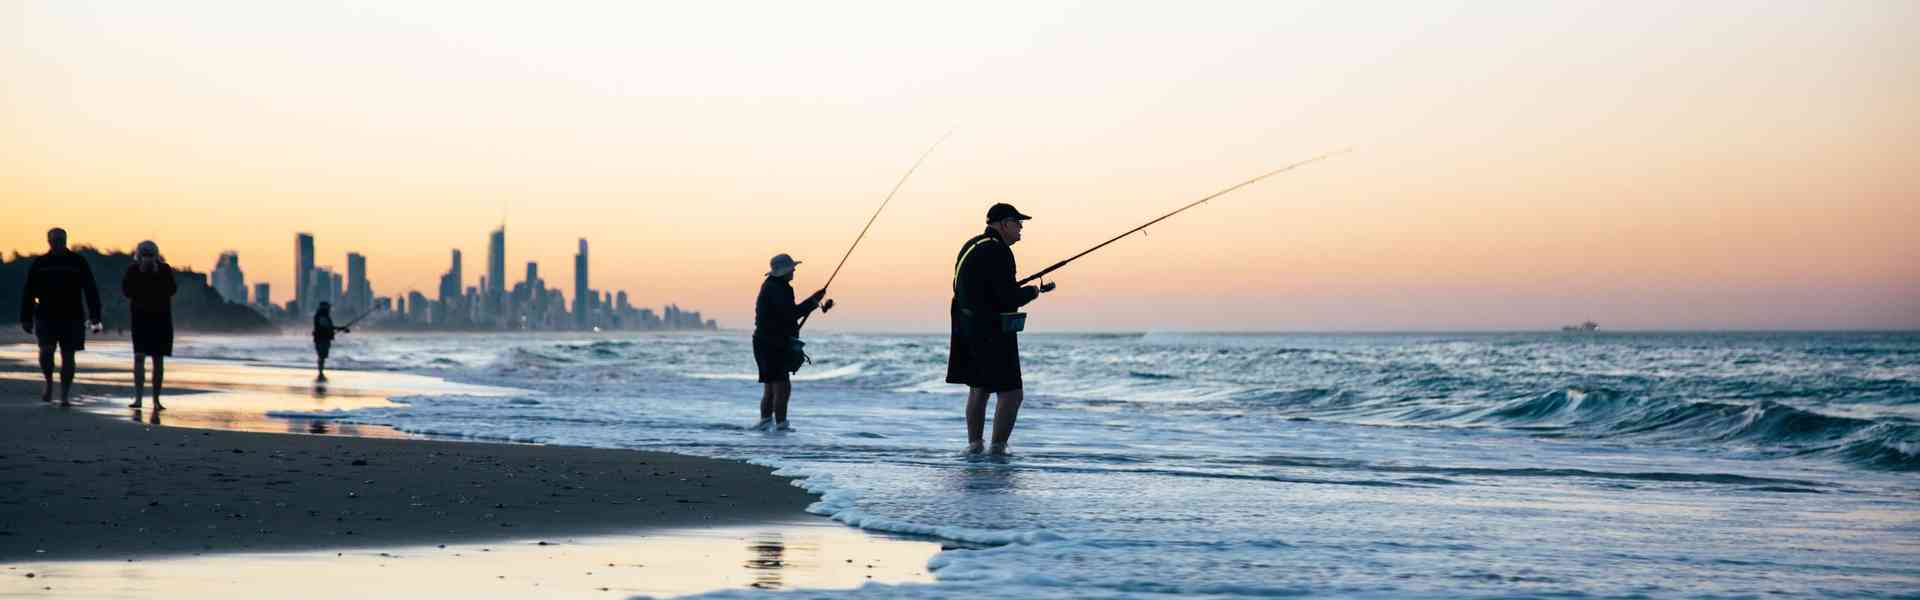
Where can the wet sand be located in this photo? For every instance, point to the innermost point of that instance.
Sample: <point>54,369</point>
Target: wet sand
<point>81,486</point>
<point>812,554</point>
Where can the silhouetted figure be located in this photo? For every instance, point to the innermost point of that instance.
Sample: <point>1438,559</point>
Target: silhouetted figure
<point>149,287</point>
<point>323,331</point>
<point>985,350</point>
<point>50,309</point>
<point>776,324</point>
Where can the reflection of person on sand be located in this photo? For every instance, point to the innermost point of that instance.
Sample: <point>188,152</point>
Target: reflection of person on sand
<point>50,309</point>
<point>776,323</point>
<point>323,331</point>
<point>985,348</point>
<point>149,287</point>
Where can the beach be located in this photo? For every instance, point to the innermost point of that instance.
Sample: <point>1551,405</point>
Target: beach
<point>100,483</point>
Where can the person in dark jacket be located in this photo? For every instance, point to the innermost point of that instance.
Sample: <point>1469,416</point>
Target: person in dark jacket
<point>323,331</point>
<point>776,323</point>
<point>50,309</point>
<point>149,287</point>
<point>985,348</point>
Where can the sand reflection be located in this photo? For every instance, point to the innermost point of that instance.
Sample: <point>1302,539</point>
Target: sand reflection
<point>241,395</point>
<point>795,555</point>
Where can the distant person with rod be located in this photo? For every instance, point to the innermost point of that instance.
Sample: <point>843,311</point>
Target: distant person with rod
<point>323,331</point>
<point>985,349</point>
<point>149,287</point>
<point>776,325</point>
<point>50,310</point>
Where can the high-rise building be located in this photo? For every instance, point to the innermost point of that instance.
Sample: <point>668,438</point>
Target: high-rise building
<point>359,293</point>
<point>319,289</point>
<point>260,295</point>
<point>303,271</point>
<point>581,294</point>
<point>496,288</point>
<point>450,283</point>
<point>417,308</point>
<point>336,289</point>
<point>228,280</point>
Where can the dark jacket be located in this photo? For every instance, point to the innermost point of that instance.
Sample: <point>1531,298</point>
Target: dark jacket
<point>981,355</point>
<point>775,316</point>
<point>323,327</point>
<point>55,286</point>
<point>149,292</point>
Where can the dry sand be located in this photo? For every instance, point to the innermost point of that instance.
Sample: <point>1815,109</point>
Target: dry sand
<point>76,486</point>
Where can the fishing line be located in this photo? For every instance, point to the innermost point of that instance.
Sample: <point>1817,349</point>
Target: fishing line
<point>1056,266</point>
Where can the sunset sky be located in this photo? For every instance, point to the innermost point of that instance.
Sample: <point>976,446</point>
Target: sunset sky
<point>1518,165</point>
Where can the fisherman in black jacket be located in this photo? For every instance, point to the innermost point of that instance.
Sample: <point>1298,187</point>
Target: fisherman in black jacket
<point>50,304</point>
<point>776,323</point>
<point>985,350</point>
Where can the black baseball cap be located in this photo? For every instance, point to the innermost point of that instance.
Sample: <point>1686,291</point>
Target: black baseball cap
<point>1004,211</point>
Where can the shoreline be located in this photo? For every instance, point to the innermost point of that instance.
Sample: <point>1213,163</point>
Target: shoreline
<point>89,487</point>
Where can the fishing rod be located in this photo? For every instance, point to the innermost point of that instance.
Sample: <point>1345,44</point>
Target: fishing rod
<point>1058,265</point>
<point>876,215</point>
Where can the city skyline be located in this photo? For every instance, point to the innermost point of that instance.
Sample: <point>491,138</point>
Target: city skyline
<point>489,304</point>
<point>1707,165</point>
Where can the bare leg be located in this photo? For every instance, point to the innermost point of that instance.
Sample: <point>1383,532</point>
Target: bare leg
<point>323,369</point>
<point>976,418</point>
<point>766,400</point>
<point>66,376</point>
<point>159,372</point>
<point>1004,414</point>
<point>785,393</point>
<point>46,373</point>
<point>140,378</point>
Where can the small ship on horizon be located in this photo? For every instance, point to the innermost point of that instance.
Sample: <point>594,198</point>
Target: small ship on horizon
<point>1587,327</point>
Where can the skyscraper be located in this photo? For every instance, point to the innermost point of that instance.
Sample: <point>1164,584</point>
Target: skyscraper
<point>261,295</point>
<point>359,294</point>
<point>581,294</point>
<point>228,280</point>
<point>302,270</point>
<point>496,270</point>
<point>450,283</point>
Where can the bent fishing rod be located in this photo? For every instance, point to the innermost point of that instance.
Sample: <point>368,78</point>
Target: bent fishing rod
<point>1058,265</point>
<point>876,215</point>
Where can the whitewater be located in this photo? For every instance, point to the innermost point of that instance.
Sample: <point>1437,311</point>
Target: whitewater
<point>1685,465</point>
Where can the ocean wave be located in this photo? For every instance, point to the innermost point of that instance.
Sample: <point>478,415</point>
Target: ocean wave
<point>1768,427</point>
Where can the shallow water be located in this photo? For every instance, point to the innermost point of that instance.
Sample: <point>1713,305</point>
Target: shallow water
<point>1664,465</point>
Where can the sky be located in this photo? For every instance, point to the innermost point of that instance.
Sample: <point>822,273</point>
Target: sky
<point>1516,165</point>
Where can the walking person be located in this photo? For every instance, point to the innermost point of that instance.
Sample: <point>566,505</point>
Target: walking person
<point>985,349</point>
<point>776,324</point>
<point>149,287</point>
<point>51,309</point>
<point>323,331</point>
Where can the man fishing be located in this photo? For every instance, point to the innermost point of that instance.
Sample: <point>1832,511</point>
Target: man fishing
<point>776,324</point>
<point>985,349</point>
<point>323,330</point>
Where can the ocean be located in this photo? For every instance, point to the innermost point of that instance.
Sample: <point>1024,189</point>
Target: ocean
<point>1663,465</point>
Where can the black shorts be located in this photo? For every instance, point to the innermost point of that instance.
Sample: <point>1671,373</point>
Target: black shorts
<point>990,362</point>
<point>153,334</point>
<point>321,346</point>
<point>68,334</point>
<point>771,357</point>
